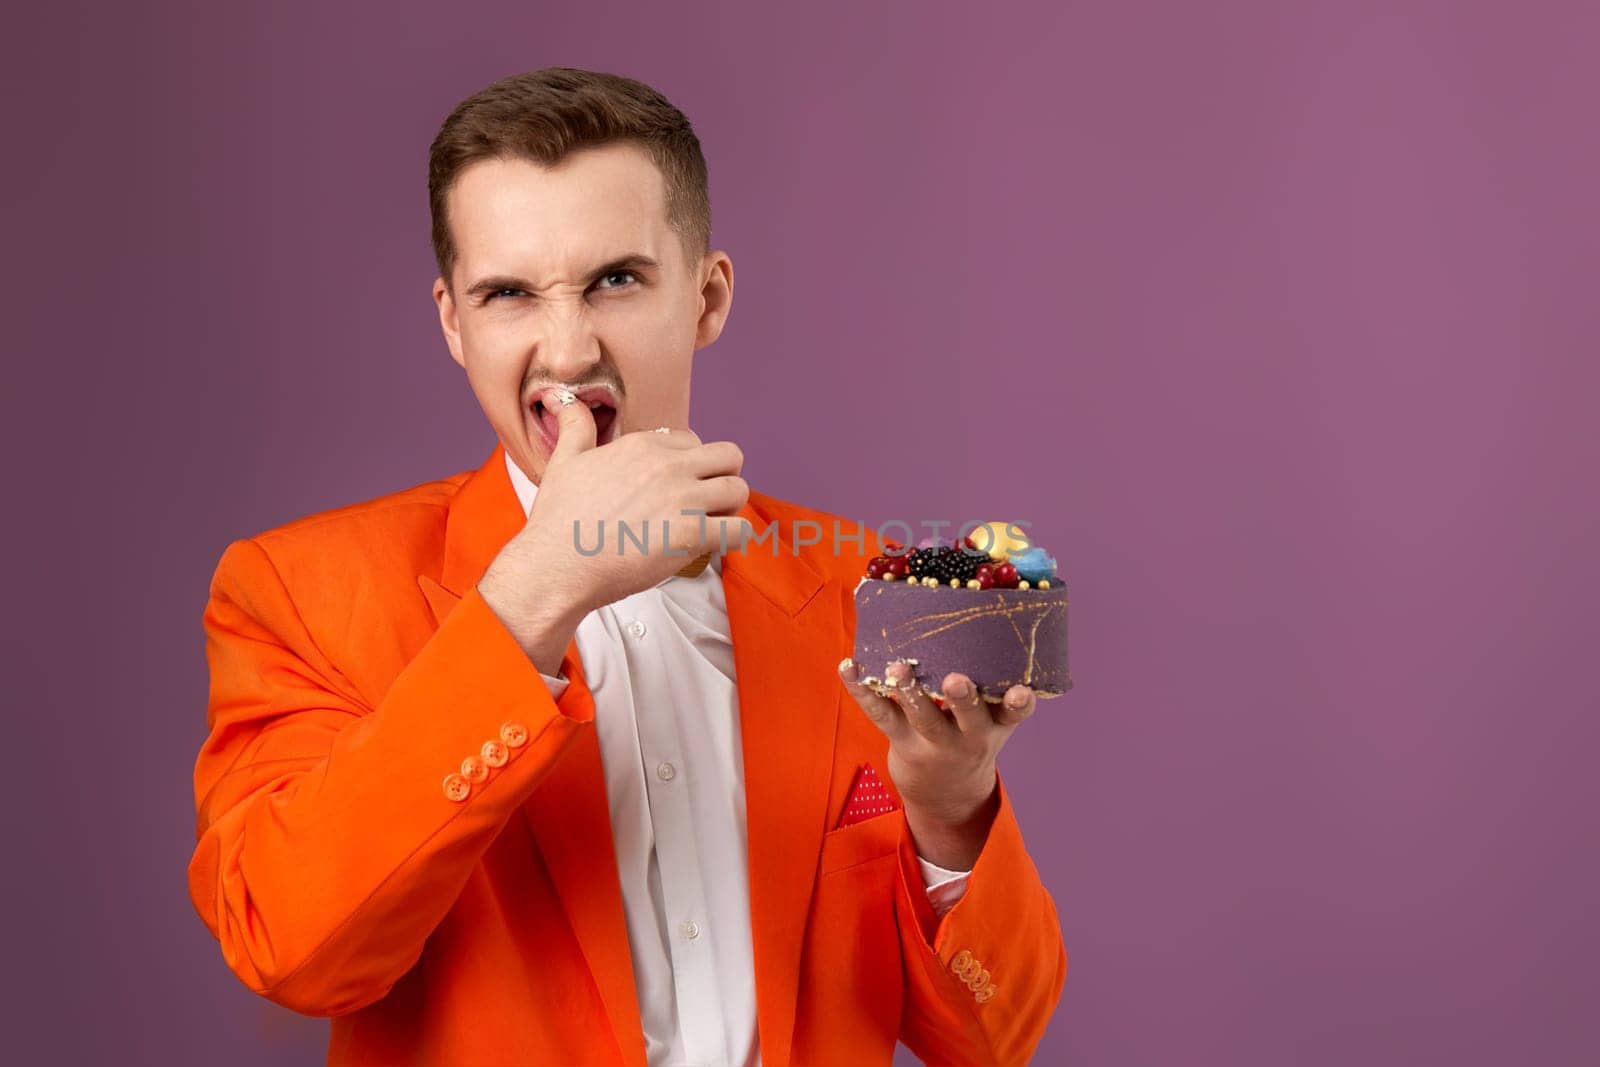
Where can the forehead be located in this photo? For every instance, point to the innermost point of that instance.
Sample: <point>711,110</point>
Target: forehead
<point>519,216</point>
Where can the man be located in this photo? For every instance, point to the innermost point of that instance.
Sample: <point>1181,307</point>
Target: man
<point>484,795</point>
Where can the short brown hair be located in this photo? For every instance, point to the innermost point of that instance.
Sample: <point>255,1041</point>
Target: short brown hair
<point>545,114</point>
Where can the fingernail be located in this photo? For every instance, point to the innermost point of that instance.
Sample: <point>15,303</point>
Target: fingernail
<point>961,690</point>
<point>1016,699</point>
<point>847,667</point>
<point>898,672</point>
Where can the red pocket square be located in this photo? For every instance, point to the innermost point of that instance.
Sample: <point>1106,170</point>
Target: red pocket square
<point>868,797</point>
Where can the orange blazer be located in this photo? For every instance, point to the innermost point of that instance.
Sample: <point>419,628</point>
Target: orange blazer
<point>353,665</point>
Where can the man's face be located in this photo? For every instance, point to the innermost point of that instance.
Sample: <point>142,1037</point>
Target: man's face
<point>542,295</point>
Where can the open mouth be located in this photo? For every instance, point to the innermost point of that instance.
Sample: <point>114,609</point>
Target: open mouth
<point>549,427</point>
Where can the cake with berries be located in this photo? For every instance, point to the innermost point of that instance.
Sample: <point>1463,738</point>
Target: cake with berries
<point>990,606</point>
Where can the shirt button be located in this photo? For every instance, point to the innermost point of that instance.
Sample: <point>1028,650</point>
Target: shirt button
<point>456,787</point>
<point>962,961</point>
<point>985,993</point>
<point>978,981</point>
<point>474,769</point>
<point>514,733</point>
<point>691,929</point>
<point>636,627</point>
<point>665,771</point>
<point>494,753</point>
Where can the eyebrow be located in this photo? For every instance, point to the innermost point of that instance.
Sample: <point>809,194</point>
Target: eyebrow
<point>494,283</point>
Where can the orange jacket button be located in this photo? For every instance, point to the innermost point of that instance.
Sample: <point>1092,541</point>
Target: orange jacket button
<point>985,993</point>
<point>494,753</point>
<point>514,734</point>
<point>978,981</point>
<point>474,769</point>
<point>456,787</point>
<point>962,961</point>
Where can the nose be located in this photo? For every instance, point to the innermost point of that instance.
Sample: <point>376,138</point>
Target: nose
<point>568,347</point>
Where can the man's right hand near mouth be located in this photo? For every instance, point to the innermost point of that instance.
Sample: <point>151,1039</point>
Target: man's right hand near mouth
<point>540,586</point>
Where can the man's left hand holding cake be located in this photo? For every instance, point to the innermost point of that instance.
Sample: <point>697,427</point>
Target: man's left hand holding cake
<point>942,759</point>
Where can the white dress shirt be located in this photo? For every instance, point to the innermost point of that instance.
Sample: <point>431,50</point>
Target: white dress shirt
<point>660,665</point>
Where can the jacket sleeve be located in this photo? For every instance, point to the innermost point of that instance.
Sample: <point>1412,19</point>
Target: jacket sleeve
<point>331,839</point>
<point>982,980</point>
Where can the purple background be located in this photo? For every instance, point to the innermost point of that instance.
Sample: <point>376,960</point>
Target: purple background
<point>1281,323</point>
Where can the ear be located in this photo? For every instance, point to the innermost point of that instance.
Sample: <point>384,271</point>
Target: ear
<point>716,296</point>
<point>447,320</point>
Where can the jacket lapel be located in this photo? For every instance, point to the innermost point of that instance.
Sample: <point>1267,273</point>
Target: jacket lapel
<point>567,814</point>
<point>787,626</point>
<point>787,629</point>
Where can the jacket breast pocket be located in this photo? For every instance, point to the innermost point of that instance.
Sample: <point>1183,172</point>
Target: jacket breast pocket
<point>861,842</point>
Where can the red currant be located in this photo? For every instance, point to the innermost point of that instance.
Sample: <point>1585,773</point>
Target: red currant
<point>876,565</point>
<point>985,576</point>
<point>1005,576</point>
<point>897,566</point>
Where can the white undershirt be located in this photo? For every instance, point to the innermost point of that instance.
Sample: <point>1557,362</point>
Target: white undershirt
<point>660,666</point>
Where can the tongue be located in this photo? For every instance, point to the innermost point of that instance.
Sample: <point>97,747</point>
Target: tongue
<point>551,424</point>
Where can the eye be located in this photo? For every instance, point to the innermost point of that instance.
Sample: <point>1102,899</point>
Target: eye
<point>498,293</point>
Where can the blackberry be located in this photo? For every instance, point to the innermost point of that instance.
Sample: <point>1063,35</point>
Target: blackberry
<point>918,561</point>
<point>944,563</point>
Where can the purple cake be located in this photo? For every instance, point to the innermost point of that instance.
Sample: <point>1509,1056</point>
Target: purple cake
<point>992,609</point>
